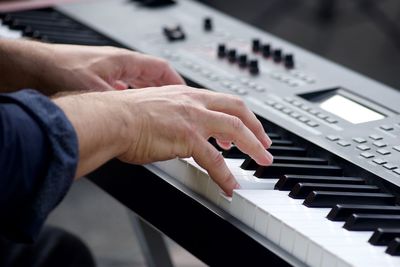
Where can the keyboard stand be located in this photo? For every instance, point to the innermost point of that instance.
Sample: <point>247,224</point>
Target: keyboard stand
<point>151,241</point>
<point>209,233</point>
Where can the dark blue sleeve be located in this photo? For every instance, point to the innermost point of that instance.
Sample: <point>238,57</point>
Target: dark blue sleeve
<point>38,160</point>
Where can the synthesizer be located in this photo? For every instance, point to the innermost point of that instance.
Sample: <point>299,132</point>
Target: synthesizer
<point>331,196</point>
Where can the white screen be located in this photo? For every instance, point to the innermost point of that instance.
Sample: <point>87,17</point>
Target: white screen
<point>349,110</point>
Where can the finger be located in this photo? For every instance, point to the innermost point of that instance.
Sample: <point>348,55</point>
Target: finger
<point>120,85</point>
<point>235,106</point>
<point>224,144</point>
<point>149,68</point>
<point>227,127</point>
<point>211,160</point>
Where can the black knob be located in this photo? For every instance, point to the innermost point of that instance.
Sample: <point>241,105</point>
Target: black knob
<point>253,67</point>
<point>242,60</point>
<point>289,61</point>
<point>277,55</point>
<point>208,24</point>
<point>266,50</point>
<point>174,33</point>
<point>232,55</point>
<point>221,51</point>
<point>155,3</point>
<point>256,45</point>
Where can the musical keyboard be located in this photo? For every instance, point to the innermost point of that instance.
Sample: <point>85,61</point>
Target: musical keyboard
<point>331,196</point>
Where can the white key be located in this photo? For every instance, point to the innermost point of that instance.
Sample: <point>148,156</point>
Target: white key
<point>6,32</point>
<point>307,233</point>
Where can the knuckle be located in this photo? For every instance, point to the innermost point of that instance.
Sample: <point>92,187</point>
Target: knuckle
<point>236,123</point>
<point>217,159</point>
<point>163,63</point>
<point>259,127</point>
<point>238,102</point>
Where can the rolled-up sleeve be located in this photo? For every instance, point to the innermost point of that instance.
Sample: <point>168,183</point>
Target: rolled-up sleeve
<point>38,161</point>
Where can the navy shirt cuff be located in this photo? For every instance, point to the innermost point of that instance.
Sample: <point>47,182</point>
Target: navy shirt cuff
<point>61,162</point>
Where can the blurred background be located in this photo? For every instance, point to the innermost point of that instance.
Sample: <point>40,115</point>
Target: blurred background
<point>362,35</point>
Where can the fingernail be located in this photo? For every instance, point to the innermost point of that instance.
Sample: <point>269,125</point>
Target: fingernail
<point>269,156</point>
<point>268,140</point>
<point>237,186</point>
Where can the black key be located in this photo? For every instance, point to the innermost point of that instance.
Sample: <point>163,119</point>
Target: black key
<point>42,17</point>
<point>383,236</point>
<point>234,153</point>
<point>282,142</point>
<point>279,169</point>
<point>274,136</point>
<point>37,14</point>
<point>342,212</point>
<point>73,35</point>
<point>250,164</point>
<point>327,199</point>
<point>394,247</point>
<point>287,151</point>
<point>78,41</point>
<point>301,190</point>
<point>49,28</point>
<point>287,182</point>
<point>369,222</point>
<point>33,22</point>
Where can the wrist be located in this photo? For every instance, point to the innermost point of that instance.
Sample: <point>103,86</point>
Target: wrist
<point>96,118</point>
<point>24,64</point>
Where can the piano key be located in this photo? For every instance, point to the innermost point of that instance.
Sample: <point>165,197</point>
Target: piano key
<point>80,41</point>
<point>394,247</point>
<point>301,190</point>
<point>72,35</point>
<point>274,136</point>
<point>330,199</point>
<point>45,28</point>
<point>282,142</point>
<point>33,14</point>
<point>43,16</point>
<point>279,169</point>
<point>292,151</point>
<point>306,233</point>
<point>287,182</point>
<point>5,32</point>
<point>234,152</point>
<point>33,22</point>
<point>250,164</point>
<point>383,236</point>
<point>342,212</point>
<point>369,222</point>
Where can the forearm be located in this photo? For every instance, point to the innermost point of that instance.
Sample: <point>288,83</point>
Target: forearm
<point>22,65</point>
<point>99,125</point>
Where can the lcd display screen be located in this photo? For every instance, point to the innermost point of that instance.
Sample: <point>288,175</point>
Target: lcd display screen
<point>349,110</point>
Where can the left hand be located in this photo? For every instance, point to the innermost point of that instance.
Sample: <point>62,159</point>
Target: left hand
<point>52,68</point>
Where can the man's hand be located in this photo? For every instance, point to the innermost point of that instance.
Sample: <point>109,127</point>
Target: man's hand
<point>54,68</point>
<point>146,125</point>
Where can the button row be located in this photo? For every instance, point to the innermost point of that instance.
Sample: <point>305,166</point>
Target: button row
<point>312,111</point>
<point>282,77</point>
<point>304,77</point>
<point>368,155</point>
<point>234,88</point>
<point>204,72</point>
<point>252,85</point>
<point>291,113</point>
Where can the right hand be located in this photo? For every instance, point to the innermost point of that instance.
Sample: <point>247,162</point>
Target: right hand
<point>141,126</point>
<point>176,121</point>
